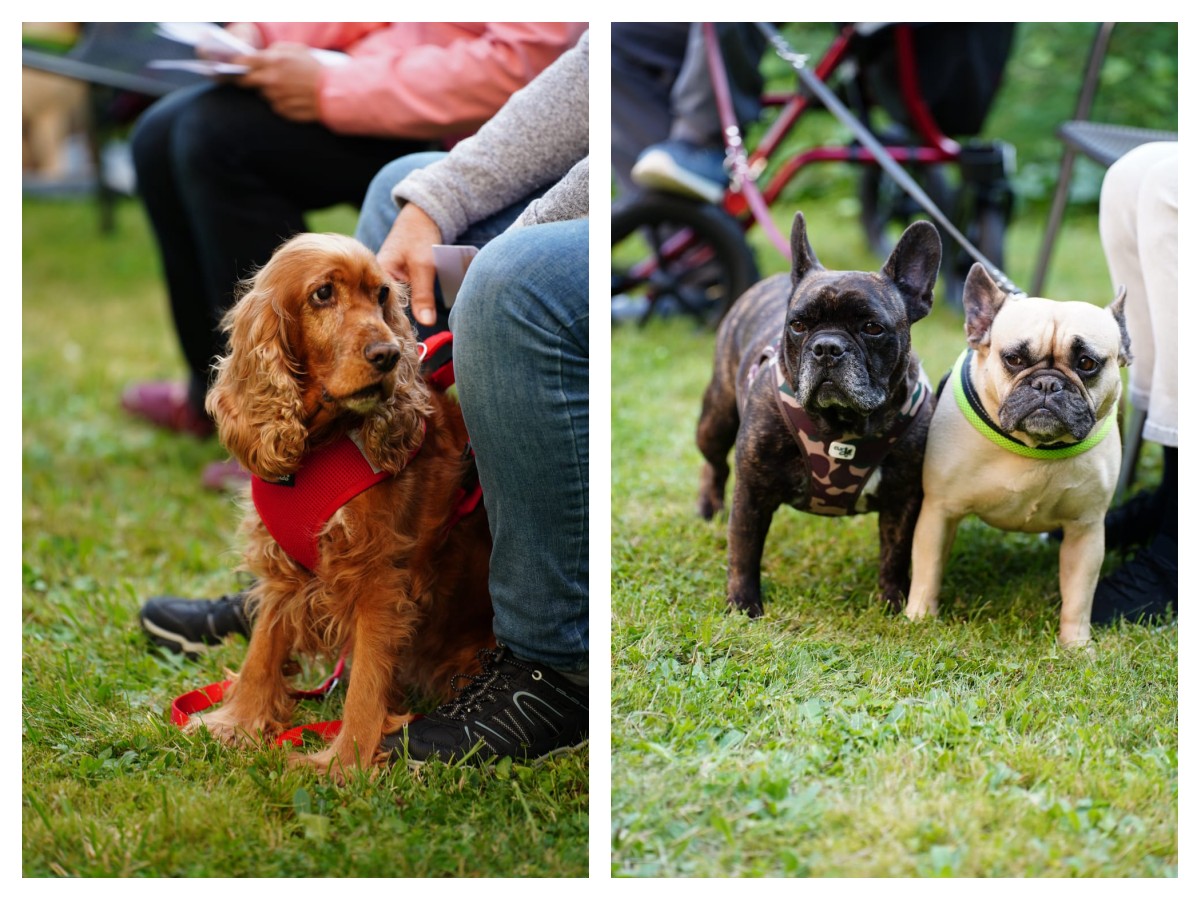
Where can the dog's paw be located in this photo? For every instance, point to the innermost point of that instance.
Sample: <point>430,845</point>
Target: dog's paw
<point>752,608</point>
<point>894,597</point>
<point>231,730</point>
<point>916,610</point>
<point>1077,639</point>
<point>331,763</point>
<point>708,507</point>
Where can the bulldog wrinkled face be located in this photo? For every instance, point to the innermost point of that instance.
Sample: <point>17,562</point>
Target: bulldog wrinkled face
<point>1054,367</point>
<point>845,335</point>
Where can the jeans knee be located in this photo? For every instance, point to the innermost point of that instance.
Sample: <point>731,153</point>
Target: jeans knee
<point>525,286</point>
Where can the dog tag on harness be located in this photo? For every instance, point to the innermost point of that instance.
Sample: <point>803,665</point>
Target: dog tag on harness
<point>838,450</point>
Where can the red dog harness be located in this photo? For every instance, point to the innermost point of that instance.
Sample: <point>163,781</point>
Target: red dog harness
<point>296,509</point>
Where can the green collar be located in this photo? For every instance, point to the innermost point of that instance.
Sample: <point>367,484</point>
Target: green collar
<point>973,411</point>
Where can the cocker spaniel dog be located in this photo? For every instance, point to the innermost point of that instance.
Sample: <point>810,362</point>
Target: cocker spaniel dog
<point>354,540</point>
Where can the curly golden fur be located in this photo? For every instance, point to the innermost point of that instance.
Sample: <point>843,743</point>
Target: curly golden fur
<point>319,344</point>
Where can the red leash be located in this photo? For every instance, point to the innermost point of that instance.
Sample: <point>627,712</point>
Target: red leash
<point>201,699</point>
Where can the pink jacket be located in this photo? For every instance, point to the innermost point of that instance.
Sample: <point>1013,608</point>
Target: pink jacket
<point>424,80</point>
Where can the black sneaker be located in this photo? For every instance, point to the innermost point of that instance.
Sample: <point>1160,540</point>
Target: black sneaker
<point>1145,588</point>
<point>189,626</point>
<point>1135,522</point>
<point>512,708</point>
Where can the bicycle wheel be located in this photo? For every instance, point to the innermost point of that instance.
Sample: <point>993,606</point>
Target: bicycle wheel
<point>674,255</point>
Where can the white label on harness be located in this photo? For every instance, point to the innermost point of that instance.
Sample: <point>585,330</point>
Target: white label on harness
<point>838,450</point>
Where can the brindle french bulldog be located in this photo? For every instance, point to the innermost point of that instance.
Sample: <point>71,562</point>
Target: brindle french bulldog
<point>816,381</point>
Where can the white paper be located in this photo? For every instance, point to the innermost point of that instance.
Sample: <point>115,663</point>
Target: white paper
<point>206,37</point>
<point>200,66</point>
<point>451,262</point>
<point>219,45</point>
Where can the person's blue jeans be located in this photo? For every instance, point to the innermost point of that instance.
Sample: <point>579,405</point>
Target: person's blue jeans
<point>520,327</point>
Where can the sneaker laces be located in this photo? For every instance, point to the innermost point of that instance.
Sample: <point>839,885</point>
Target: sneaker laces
<point>482,688</point>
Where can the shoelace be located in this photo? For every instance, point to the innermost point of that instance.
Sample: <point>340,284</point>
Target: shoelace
<point>479,688</point>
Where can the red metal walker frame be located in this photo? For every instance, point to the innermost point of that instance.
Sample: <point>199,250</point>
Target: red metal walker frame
<point>748,203</point>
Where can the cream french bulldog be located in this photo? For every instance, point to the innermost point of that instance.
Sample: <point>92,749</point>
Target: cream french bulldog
<point>1024,436</point>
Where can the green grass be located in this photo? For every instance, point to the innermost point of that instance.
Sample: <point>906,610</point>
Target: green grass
<point>829,738</point>
<point>113,512</point>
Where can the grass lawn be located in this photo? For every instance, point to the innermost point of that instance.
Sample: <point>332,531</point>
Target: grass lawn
<point>829,738</point>
<point>113,512</point>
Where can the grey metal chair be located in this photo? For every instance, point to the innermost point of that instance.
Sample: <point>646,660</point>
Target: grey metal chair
<point>1103,144</point>
<point>111,58</point>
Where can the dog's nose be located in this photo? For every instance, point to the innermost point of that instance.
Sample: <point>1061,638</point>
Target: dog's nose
<point>1046,384</point>
<point>827,348</point>
<point>382,355</point>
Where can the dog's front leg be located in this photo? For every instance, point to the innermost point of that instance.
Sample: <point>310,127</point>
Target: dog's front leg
<point>749,522</point>
<point>932,541</point>
<point>258,702</point>
<point>366,702</point>
<point>896,527</point>
<point>1079,561</point>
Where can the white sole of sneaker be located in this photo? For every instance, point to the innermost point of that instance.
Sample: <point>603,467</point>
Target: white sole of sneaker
<point>416,764</point>
<point>184,645</point>
<point>658,170</point>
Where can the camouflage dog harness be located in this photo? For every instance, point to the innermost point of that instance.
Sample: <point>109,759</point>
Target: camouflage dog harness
<point>840,468</point>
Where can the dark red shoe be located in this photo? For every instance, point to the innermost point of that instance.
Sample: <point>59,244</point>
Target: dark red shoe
<point>165,404</point>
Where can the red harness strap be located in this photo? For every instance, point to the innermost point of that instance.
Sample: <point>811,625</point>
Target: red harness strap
<point>296,509</point>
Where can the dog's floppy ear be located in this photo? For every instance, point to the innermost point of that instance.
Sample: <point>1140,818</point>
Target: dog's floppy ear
<point>803,258</point>
<point>1117,308</point>
<point>255,399</point>
<point>913,267</point>
<point>982,299</point>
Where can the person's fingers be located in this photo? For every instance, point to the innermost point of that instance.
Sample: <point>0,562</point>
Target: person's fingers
<point>421,278</point>
<point>407,256</point>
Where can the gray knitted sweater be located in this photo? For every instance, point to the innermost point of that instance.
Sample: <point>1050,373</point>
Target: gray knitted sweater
<point>539,137</point>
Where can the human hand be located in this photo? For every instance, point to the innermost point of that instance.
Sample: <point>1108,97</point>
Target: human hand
<point>288,76</point>
<point>407,256</point>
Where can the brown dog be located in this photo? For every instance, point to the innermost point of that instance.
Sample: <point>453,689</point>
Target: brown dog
<point>323,378</point>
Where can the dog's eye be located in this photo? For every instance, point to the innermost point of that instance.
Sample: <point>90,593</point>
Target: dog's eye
<point>322,294</point>
<point>1087,364</point>
<point>796,327</point>
<point>1013,359</point>
<point>874,329</point>
<point>383,295</point>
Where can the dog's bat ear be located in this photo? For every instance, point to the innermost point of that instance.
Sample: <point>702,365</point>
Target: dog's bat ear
<point>803,258</point>
<point>982,299</point>
<point>1117,308</point>
<point>913,267</point>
